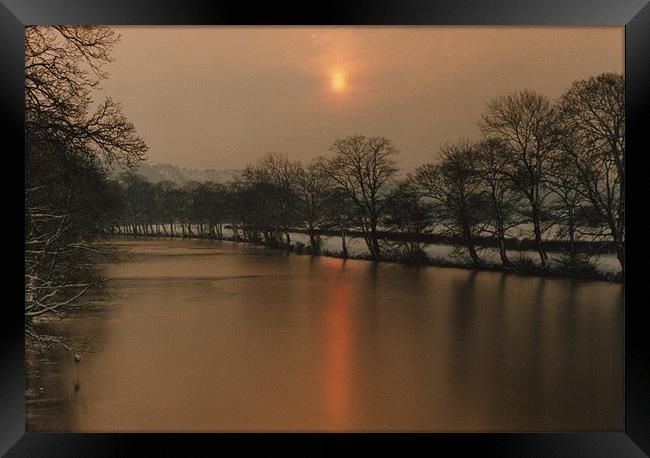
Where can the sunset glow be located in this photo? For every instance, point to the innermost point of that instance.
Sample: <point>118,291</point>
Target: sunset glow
<point>338,81</point>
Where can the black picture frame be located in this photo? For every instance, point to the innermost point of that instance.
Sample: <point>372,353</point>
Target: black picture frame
<point>633,14</point>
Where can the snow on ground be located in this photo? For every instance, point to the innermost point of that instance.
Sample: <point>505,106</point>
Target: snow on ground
<point>606,263</point>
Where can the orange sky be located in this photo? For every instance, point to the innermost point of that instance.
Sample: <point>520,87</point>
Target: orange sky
<point>219,97</point>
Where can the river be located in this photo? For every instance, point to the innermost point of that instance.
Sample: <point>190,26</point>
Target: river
<point>202,335</point>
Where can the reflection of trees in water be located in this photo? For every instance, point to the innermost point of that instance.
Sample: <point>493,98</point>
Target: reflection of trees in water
<point>461,329</point>
<point>533,354</point>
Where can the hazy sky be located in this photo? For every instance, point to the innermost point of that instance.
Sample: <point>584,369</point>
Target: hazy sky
<point>220,97</point>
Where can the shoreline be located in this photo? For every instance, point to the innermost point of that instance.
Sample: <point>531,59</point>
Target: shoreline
<point>528,270</point>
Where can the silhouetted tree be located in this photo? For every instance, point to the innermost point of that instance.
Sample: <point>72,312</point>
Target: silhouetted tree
<point>274,177</point>
<point>566,208</point>
<point>455,189</point>
<point>593,118</point>
<point>502,210</point>
<point>362,167</point>
<point>67,148</point>
<point>315,196</point>
<point>166,192</point>
<point>216,208</point>
<point>526,123</point>
<point>406,213</point>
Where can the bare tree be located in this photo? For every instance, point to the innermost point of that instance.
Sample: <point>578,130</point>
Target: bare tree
<point>66,149</point>
<point>593,116</point>
<point>526,123</point>
<point>315,195</point>
<point>168,203</point>
<point>456,191</point>
<point>568,205</point>
<point>362,167</point>
<point>503,201</point>
<point>49,263</point>
<point>276,176</point>
<point>63,65</point>
<point>408,215</point>
<point>217,208</point>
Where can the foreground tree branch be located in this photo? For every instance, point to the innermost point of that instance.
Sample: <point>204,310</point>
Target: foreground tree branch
<point>68,147</point>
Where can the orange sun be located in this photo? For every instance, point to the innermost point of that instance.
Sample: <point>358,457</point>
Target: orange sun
<point>338,81</point>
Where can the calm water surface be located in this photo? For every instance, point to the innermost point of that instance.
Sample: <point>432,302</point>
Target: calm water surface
<point>211,336</point>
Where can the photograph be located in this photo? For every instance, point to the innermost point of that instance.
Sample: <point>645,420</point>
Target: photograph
<point>324,228</point>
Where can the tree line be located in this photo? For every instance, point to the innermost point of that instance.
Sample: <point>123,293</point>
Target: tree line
<point>555,167</point>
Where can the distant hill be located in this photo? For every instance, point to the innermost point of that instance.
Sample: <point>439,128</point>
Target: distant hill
<point>160,172</point>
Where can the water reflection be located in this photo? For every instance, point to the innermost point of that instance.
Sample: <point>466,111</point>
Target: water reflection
<point>338,365</point>
<point>210,336</point>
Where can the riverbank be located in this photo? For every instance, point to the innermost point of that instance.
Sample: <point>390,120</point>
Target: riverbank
<point>522,264</point>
